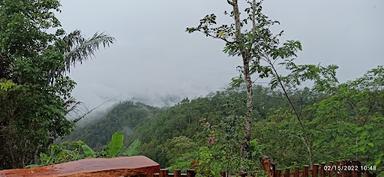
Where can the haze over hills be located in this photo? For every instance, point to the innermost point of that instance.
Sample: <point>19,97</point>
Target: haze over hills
<point>154,56</point>
<point>176,135</point>
<point>122,117</point>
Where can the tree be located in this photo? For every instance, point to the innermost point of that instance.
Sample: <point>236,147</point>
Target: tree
<point>35,93</point>
<point>250,38</point>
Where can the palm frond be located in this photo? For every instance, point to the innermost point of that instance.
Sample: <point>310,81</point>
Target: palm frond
<point>80,49</point>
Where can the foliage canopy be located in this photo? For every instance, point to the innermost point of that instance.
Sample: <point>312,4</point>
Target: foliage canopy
<point>35,92</point>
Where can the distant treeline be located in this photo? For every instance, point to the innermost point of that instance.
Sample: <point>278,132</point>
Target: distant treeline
<point>344,121</point>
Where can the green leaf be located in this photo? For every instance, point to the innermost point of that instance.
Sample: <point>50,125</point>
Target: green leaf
<point>133,149</point>
<point>115,145</point>
<point>88,152</point>
<point>6,85</point>
<point>370,144</point>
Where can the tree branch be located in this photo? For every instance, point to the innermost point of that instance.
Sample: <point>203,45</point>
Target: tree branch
<point>96,107</point>
<point>230,2</point>
<point>298,115</point>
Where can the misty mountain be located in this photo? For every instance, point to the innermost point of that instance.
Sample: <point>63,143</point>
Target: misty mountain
<point>164,134</point>
<point>123,117</point>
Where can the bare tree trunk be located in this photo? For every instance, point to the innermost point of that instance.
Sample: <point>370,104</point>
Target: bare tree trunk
<point>248,115</point>
<point>245,54</point>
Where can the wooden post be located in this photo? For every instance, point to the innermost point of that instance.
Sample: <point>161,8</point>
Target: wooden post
<point>322,170</point>
<point>343,171</point>
<point>177,173</point>
<point>315,169</point>
<point>339,172</point>
<point>191,173</point>
<point>355,173</point>
<point>243,174</point>
<point>278,173</point>
<point>297,172</point>
<point>330,169</point>
<point>163,173</point>
<point>305,174</point>
<point>349,168</point>
<point>273,169</point>
<point>360,171</point>
<point>223,174</point>
<point>287,173</point>
<point>356,169</point>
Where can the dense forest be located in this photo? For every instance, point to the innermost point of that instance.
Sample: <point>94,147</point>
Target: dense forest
<point>302,115</point>
<point>346,122</point>
<point>36,55</point>
<point>124,117</point>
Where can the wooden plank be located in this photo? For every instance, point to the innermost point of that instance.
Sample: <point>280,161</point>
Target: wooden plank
<point>339,172</point>
<point>273,166</point>
<point>349,169</point>
<point>191,173</point>
<point>356,169</point>
<point>306,170</point>
<point>322,171</point>
<point>315,169</point>
<point>330,169</point>
<point>278,173</point>
<point>243,174</point>
<point>164,173</point>
<point>177,173</point>
<point>297,172</point>
<point>343,170</point>
<point>223,174</point>
<point>106,167</point>
<point>287,172</point>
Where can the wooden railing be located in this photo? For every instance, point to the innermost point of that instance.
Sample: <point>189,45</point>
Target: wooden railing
<point>189,173</point>
<point>344,168</point>
<point>176,173</point>
<point>332,169</point>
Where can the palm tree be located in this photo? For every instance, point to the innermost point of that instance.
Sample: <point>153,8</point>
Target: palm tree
<point>80,49</point>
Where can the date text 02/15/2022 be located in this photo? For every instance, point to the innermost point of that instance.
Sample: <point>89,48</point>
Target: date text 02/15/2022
<point>349,168</point>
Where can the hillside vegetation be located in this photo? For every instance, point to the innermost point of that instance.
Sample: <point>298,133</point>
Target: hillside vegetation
<point>123,117</point>
<point>344,121</point>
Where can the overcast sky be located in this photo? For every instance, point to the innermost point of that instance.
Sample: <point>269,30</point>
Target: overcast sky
<point>154,57</point>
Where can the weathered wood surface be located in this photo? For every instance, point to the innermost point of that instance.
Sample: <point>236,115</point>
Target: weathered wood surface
<point>100,167</point>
